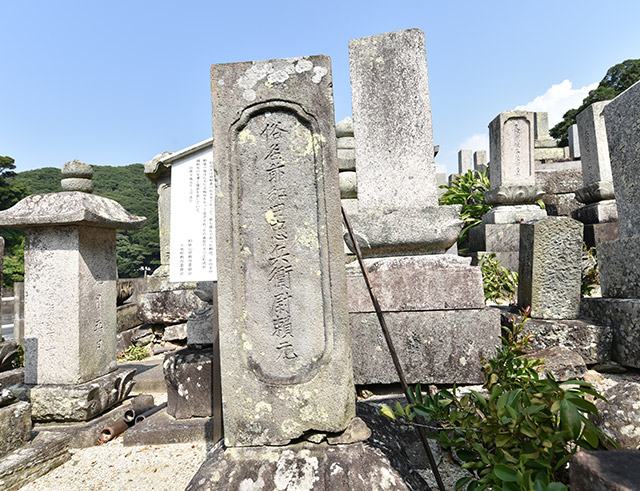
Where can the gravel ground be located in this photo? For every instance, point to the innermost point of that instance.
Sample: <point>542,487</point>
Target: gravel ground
<point>115,467</point>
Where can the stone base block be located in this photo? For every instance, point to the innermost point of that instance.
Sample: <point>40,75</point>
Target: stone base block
<point>202,326</point>
<point>561,205</point>
<point>161,429</point>
<point>514,214</point>
<point>597,233</point>
<point>620,267</point>
<point>435,347</point>
<point>416,283</point>
<point>357,467</point>
<point>613,470</point>
<point>190,376</point>
<point>590,340</point>
<point>623,315</point>
<point>169,306</point>
<point>559,177</point>
<point>127,317</point>
<point>80,402</point>
<point>549,153</point>
<point>15,426</point>
<point>600,212</point>
<point>495,237</point>
<point>45,452</point>
<point>430,230</point>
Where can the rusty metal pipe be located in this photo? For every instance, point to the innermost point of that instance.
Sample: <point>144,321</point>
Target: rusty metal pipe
<point>113,431</point>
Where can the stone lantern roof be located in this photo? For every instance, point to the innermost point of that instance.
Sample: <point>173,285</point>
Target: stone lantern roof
<point>73,206</point>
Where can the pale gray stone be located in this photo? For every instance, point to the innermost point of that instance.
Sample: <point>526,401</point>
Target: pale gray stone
<point>284,337</point>
<point>480,160</point>
<point>559,177</point>
<point>594,150</point>
<point>597,233</point>
<point>619,271</point>
<point>611,470</point>
<point>169,307</point>
<point>77,184</point>
<point>437,346</point>
<point>18,312</point>
<point>175,332</point>
<point>562,363</point>
<point>348,185</point>
<point>550,272</point>
<point>574,142</point>
<point>416,283</point>
<point>344,127</point>
<point>15,426</point>
<point>564,204</point>
<point>357,431</point>
<point>346,154</point>
<point>389,83</point>
<point>346,164</point>
<point>346,142</point>
<point>597,212</point>
<point>77,169</point>
<point>495,237</point>
<point>596,191</point>
<point>541,125</point>
<point>465,160</point>
<point>546,154</point>
<point>619,414</point>
<point>513,195</point>
<point>514,214</point>
<point>127,317</point>
<point>80,402</point>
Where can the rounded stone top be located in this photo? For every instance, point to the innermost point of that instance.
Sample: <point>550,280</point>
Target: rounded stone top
<point>75,168</point>
<point>344,127</point>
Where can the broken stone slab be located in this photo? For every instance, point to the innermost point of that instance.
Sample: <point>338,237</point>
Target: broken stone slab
<point>357,431</point>
<point>623,317</point>
<point>192,383</point>
<point>9,378</point>
<point>514,214</point>
<point>80,402</point>
<point>408,283</point>
<point>48,450</point>
<point>559,177</point>
<point>494,237</point>
<point>438,347</point>
<point>600,212</point>
<point>160,429</point>
<point>592,341</point>
<point>15,426</point>
<point>169,306</point>
<point>405,231</point>
<point>357,467</point>
<point>175,332</point>
<point>561,362</point>
<point>611,470</point>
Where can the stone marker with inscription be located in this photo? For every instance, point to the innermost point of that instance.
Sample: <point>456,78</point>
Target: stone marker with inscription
<point>480,161</point>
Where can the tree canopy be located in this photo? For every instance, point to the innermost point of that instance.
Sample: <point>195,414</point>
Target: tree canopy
<point>618,79</point>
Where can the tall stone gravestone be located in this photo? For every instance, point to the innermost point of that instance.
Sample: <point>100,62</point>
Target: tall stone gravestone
<point>480,160</point>
<point>619,259</point>
<point>513,190</point>
<point>402,230</point>
<point>545,148</point>
<point>70,297</point>
<point>284,334</point>
<point>600,214</point>
<point>574,142</point>
<point>465,160</point>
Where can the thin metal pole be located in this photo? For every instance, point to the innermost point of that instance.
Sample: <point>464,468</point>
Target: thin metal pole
<point>394,355</point>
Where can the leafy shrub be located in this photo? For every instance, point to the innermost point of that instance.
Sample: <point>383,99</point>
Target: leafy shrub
<point>134,353</point>
<point>518,436</point>
<point>590,271</point>
<point>499,283</point>
<point>468,190</point>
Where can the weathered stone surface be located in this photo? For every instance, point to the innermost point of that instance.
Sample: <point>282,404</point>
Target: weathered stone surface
<point>559,177</point>
<point>619,415</point>
<point>45,452</point>
<point>161,429</point>
<point>357,467</point>
<point>346,142</point>
<point>80,402</point>
<point>175,332</point>
<point>594,150</point>
<point>591,341</point>
<point>621,117</point>
<point>495,237</point>
<point>9,355</point>
<point>15,426</point>
<point>514,214</point>
<point>11,377</point>
<point>596,191</point>
<point>127,317</point>
<point>389,83</point>
<point>77,184</point>
<point>344,127</point>
<point>619,274</point>
<point>562,363</point>
<point>600,212</point>
<point>409,283</point>
<point>513,195</point>
<point>440,346</point>
<point>541,126</point>
<point>550,273</point>
<point>560,204</point>
<point>357,431</point>
<point>549,153</point>
<point>612,470</point>
<point>191,377</point>
<point>623,316</point>
<point>597,233</point>
<point>70,304</point>
<point>465,160</point>
<point>408,231</point>
<point>68,208</point>
<point>78,169</point>
<point>348,185</point>
<point>285,357</point>
<point>169,307</point>
<point>480,160</point>
<point>574,142</point>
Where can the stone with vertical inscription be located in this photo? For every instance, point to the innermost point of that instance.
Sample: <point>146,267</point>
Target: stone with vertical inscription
<point>465,160</point>
<point>284,330</point>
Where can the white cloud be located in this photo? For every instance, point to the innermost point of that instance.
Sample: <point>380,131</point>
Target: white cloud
<point>477,141</point>
<point>557,100</point>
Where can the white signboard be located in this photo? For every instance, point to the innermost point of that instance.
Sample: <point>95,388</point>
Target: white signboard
<point>193,242</point>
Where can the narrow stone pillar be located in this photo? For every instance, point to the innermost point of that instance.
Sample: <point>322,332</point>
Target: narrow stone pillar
<point>574,142</point>
<point>465,160</point>
<point>18,312</point>
<point>480,160</point>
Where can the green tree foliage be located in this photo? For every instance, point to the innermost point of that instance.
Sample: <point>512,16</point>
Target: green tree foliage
<point>500,284</point>
<point>618,79</point>
<point>128,186</point>
<point>521,432</point>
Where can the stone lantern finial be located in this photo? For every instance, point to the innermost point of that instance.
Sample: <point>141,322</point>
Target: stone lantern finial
<point>77,176</point>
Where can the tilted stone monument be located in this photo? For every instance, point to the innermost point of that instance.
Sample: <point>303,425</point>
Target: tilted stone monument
<point>284,332</point>
<point>70,298</point>
<point>404,232</point>
<point>619,259</point>
<point>600,214</point>
<point>513,190</point>
<point>465,160</point>
<point>550,274</point>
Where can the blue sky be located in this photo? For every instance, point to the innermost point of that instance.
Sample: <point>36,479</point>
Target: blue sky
<point>118,82</point>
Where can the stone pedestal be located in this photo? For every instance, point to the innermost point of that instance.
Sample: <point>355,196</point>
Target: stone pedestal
<point>15,426</point>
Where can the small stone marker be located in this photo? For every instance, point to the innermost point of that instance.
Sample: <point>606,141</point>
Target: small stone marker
<point>550,274</point>
<point>480,160</point>
<point>465,160</point>
<point>574,142</point>
<point>284,333</point>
